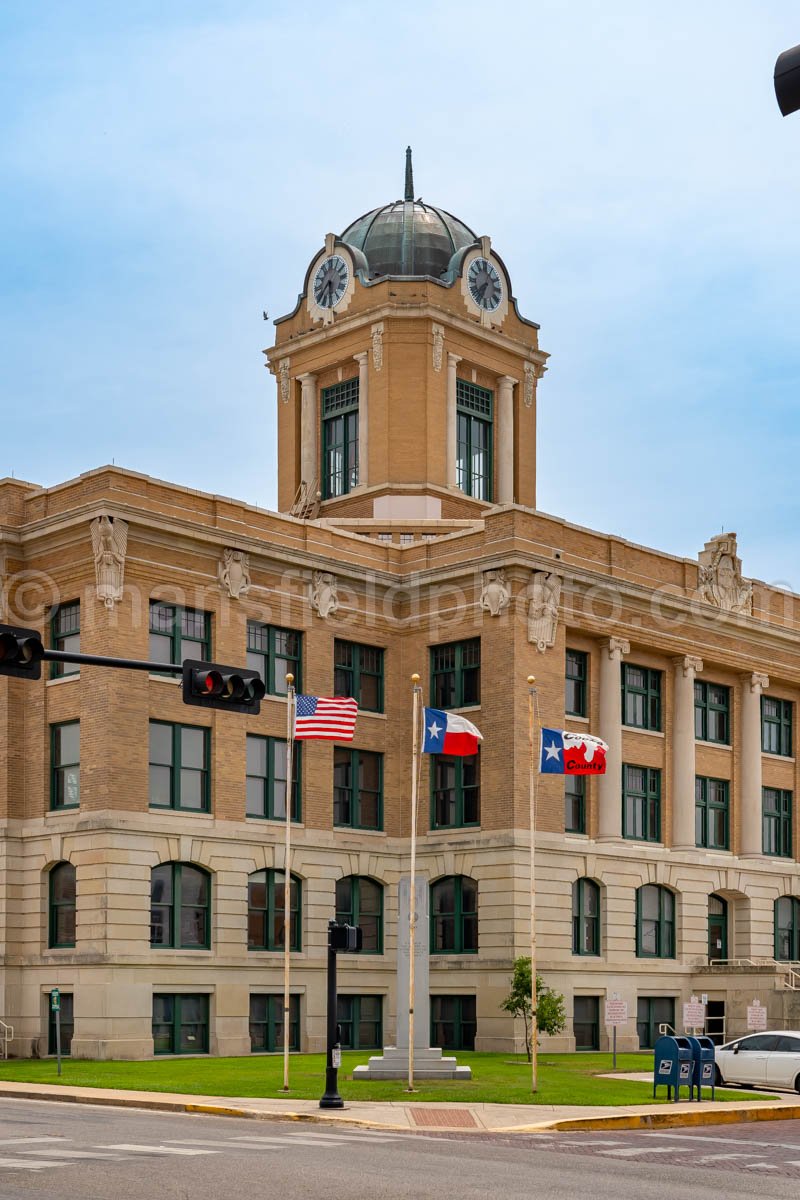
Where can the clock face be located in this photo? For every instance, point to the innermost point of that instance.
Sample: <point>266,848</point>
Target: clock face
<point>330,281</point>
<point>485,285</point>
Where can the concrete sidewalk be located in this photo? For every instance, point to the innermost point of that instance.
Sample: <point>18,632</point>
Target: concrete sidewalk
<point>399,1115</point>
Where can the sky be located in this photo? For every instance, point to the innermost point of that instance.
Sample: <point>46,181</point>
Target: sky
<point>168,170</point>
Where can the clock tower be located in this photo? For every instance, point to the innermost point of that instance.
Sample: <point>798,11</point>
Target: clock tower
<point>406,374</point>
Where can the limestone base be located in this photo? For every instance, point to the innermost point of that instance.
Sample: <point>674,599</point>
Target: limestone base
<point>428,1064</point>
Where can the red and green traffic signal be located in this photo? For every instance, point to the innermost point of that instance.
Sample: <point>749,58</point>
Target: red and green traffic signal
<point>21,652</point>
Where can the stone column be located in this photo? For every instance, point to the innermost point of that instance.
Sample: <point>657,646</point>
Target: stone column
<point>505,439</point>
<point>609,786</point>
<point>363,416</point>
<point>750,790</point>
<point>683,768</point>
<point>309,455</point>
<point>452,363</point>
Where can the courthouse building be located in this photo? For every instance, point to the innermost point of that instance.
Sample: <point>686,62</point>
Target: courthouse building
<point>141,867</point>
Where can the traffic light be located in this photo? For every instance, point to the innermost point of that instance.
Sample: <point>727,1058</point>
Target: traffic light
<point>346,937</point>
<point>212,685</point>
<point>787,81</point>
<point>21,652</point>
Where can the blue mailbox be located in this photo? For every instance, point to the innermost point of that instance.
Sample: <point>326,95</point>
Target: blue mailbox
<point>674,1065</point>
<point>704,1064</point>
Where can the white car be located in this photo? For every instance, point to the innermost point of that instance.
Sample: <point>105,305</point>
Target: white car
<point>770,1060</point>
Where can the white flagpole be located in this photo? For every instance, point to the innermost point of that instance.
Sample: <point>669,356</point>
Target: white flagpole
<point>412,913</point>
<point>287,876</point>
<point>532,804</point>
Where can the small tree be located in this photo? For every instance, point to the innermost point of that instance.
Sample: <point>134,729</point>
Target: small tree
<point>551,1015</point>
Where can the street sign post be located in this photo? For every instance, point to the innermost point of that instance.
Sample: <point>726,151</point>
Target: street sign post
<point>616,1014</point>
<point>55,1007</point>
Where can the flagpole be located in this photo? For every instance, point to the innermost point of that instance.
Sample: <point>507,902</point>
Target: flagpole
<point>287,876</point>
<point>412,913</point>
<point>532,805</point>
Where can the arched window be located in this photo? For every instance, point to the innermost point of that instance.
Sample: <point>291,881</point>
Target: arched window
<point>585,917</point>
<point>359,901</point>
<point>180,907</point>
<point>266,914</point>
<point>61,922</point>
<point>787,929</point>
<point>655,922</point>
<point>454,915</point>
<point>717,928</point>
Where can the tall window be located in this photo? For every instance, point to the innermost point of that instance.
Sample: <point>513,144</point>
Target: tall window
<point>641,803</point>
<point>275,653</point>
<point>655,922</point>
<point>360,1020</point>
<point>65,765</point>
<point>179,762</point>
<point>453,1022</point>
<point>266,1022</point>
<point>575,804</point>
<point>575,683</point>
<point>717,928</point>
<point>357,788</point>
<point>711,813</point>
<point>456,674</point>
<point>359,901</point>
<point>787,929</point>
<point>67,1022</point>
<point>586,1022</point>
<point>585,917</point>
<point>180,1024</point>
<point>358,672</point>
<point>454,915</point>
<point>65,635</point>
<point>61,923</point>
<point>712,708</point>
<point>180,907</point>
<point>651,1013</point>
<point>266,778</point>
<point>776,822</point>
<point>456,791</point>
<point>474,413</point>
<point>177,633</point>
<point>641,697</point>
<point>266,915</point>
<point>776,726</point>
<point>340,438</point>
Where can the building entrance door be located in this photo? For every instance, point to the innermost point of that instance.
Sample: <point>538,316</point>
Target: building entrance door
<point>715,1021</point>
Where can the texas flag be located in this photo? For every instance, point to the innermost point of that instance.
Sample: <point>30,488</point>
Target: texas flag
<point>447,733</point>
<point>565,753</point>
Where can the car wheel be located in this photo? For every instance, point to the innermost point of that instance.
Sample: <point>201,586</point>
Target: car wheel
<point>797,1084</point>
<point>718,1080</point>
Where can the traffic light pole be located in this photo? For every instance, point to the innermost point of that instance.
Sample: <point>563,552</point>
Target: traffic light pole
<point>332,1099</point>
<point>102,660</point>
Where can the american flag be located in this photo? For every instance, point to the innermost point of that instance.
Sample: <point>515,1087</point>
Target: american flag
<point>329,720</point>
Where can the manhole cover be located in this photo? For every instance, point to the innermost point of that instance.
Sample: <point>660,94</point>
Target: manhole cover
<point>446,1118</point>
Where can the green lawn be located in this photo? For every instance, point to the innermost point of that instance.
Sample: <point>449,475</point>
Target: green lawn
<point>497,1078</point>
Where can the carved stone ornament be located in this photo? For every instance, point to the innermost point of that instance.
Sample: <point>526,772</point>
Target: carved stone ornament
<point>721,582</point>
<point>544,591</point>
<point>285,382</point>
<point>689,665</point>
<point>324,596</point>
<point>438,346</point>
<point>233,572</point>
<point>496,594</point>
<point>758,682</point>
<point>377,345</point>
<point>530,384</point>
<point>110,545</point>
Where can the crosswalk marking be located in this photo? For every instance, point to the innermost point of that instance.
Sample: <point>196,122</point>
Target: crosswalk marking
<point>28,1141</point>
<point>29,1164</point>
<point>155,1149</point>
<point>218,1142</point>
<point>760,1166</point>
<point>728,1141</point>
<point>707,1158</point>
<point>631,1152</point>
<point>94,1154</point>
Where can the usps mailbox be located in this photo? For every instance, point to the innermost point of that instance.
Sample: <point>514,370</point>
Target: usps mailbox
<point>704,1064</point>
<point>674,1065</point>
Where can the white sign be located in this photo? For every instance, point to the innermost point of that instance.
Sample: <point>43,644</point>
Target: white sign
<point>336,1057</point>
<point>616,1012</point>
<point>704,998</point>
<point>694,1014</point>
<point>756,1016</point>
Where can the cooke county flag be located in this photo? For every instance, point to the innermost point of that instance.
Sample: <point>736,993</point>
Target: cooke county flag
<point>565,753</point>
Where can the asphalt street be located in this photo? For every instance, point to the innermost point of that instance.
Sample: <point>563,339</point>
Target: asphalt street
<point>92,1153</point>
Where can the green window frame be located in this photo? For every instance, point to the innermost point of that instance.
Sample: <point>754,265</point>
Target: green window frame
<point>576,674</point>
<point>179,764</point>
<point>265,783</point>
<point>474,439</point>
<point>454,915</point>
<point>357,788</point>
<point>453,1022</point>
<point>575,804</point>
<point>776,726</point>
<point>787,929</point>
<point>717,928</point>
<point>177,633</point>
<point>358,672</point>
<point>180,907</point>
<point>359,901</point>
<point>339,405</point>
<point>65,635</point>
<point>266,916</point>
<point>275,652</point>
<point>456,674</point>
<point>712,712</point>
<point>62,903</point>
<point>266,1022</point>
<point>776,822</point>
<point>455,791</point>
<point>651,1013</point>
<point>655,922</point>
<point>585,917</point>
<point>65,765</point>
<point>641,697</point>
<point>586,1022</point>
<point>641,803</point>
<point>360,1020</point>
<point>180,1023</point>
<point>712,813</point>
<point>67,1021</point>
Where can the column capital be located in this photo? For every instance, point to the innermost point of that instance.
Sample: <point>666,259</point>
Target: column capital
<point>306,378</point>
<point>616,648</point>
<point>508,380</point>
<point>453,359</point>
<point>757,682</point>
<point>362,358</point>
<point>690,664</point>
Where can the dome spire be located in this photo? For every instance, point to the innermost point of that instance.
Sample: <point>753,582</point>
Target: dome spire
<point>409,176</point>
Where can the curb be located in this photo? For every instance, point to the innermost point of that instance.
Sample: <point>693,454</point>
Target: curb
<point>670,1120</point>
